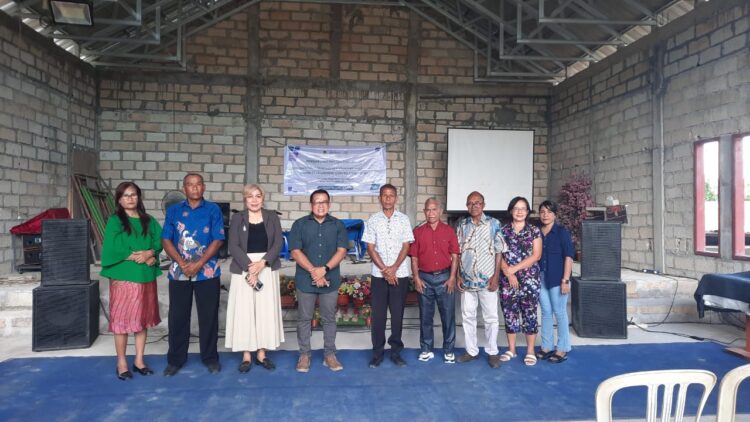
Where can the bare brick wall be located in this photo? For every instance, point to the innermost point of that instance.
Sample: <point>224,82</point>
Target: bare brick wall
<point>602,125</point>
<point>172,129</point>
<point>504,112</point>
<point>156,127</point>
<point>47,100</point>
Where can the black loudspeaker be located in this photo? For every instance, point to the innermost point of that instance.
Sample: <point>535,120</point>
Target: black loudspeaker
<point>225,210</point>
<point>65,259</point>
<point>65,317</point>
<point>601,247</point>
<point>599,308</point>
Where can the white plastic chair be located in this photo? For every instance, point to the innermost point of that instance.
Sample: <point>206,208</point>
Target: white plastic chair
<point>727,403</point>
<point>668,380</point>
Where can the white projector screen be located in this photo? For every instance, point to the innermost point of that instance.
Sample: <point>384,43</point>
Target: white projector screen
<point>497,163</point>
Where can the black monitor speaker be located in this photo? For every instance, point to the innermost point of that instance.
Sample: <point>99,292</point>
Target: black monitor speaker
<point>599,308</point>
<point>601,249</point>
<point>65,259</point>
<point>65,317</point>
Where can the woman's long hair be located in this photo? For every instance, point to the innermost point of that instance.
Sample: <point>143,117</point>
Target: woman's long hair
<point>120,211</point>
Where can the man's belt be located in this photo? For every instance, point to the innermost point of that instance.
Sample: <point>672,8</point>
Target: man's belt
<point>434,273</point>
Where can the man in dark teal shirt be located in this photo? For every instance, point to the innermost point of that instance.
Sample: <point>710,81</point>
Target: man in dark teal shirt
<point>318,243</point>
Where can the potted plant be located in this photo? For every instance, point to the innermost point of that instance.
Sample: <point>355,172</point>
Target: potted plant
<point>315,322</point>
<point>365,312</point>
<point>344,293</point>
<point>360,290</point>
<point>288,291</point>
<point>411,295</point>
<point>575,197</point>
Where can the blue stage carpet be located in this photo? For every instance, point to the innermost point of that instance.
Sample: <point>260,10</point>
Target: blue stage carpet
<point>85,388</point>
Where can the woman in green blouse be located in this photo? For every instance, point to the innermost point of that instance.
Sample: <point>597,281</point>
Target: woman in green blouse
<point>132,242</point>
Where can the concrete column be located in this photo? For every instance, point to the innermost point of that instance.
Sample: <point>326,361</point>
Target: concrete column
<point>335,37</point>
<point>410,120</point>
<point>726,168</point>
<point>658,88</point>
<point>252,97</point>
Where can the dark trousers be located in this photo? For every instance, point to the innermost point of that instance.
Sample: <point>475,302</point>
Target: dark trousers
<point>386,297</point>
<point>180,306</point>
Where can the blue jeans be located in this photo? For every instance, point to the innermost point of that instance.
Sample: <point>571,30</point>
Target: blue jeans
<point>436,292</point>
<point>554,303</point>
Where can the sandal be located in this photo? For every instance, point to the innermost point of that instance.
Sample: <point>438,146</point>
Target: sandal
<point>544,355</point>
<point>508,355</point>
<point>555,358</point>
<point>529,360</point>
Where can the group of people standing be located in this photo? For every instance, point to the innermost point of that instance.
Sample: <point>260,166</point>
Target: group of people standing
<point>528,265</point>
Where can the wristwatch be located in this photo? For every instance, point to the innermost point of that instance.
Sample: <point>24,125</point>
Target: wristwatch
<point>327,269</point>
<point>565,281</point>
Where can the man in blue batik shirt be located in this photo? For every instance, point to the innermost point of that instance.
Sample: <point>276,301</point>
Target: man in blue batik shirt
<point>192,235</point>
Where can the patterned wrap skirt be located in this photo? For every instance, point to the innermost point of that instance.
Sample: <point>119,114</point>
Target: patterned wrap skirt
<point>133,306</point>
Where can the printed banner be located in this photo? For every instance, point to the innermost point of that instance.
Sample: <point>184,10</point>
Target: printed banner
<point>339,170</point>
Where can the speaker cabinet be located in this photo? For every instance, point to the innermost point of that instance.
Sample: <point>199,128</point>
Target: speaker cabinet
<point>599,308</point>
<point>601,246</point>
<point>65,317</point>
<point>66,257</point>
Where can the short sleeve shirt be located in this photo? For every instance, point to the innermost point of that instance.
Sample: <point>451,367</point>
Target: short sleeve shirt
<point>319,242</point>
<point>520,246</point>
<point>191,231</point>
<point>389,235</point>
<point>433,248</point>
<point>479,244</point>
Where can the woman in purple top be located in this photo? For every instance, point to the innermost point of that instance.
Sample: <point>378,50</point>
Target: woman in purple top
<point>519,295</point>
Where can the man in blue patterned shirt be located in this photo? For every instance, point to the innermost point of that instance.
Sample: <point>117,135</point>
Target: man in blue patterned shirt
<point>192,235</point>
<point>481,246</point>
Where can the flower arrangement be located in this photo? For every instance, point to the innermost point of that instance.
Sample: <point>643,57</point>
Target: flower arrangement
<point>287,286</point>
<point>346,288</point>
<point>575,197</point>
<point>360,289</point>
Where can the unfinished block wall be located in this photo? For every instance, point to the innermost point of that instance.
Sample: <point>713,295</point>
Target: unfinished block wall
<point>307,74</point>
<point>604,122</point>
<point>47,110</point>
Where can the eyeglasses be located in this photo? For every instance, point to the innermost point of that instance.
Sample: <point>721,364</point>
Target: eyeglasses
<point>319,203</point>
<point>129,195</point>
<point>520,209</point>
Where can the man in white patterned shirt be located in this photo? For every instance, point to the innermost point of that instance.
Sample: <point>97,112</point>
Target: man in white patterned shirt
<point>388,234</point>
<point>482,245</point>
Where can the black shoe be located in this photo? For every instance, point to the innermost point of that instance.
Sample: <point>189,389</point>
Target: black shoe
<point>214,367</point>
<point>124,376</point>
<point>266,363</point>
<point>171,370</point>
<point>375,361</point>
<point>398,361</point>
<point>143,371</point>
<point>245,367</point>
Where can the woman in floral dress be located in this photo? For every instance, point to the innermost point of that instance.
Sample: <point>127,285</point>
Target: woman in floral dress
<point>519,294</point>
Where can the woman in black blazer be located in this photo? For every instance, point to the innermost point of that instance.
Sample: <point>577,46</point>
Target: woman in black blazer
<point>254,320</point>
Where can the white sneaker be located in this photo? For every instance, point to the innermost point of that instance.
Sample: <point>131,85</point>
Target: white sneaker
<point>449,358</point>
<point>425,356</point>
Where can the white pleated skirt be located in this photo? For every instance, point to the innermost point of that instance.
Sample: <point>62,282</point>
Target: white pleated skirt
<point>254,319</point>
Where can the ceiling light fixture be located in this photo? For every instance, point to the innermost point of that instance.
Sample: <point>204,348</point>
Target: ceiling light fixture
<point>72,12</point>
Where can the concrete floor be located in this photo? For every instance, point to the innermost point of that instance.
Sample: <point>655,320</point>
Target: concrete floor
<point>359,338</point>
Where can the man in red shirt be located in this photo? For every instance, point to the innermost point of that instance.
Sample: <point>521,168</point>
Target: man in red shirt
<point>434,262</point>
